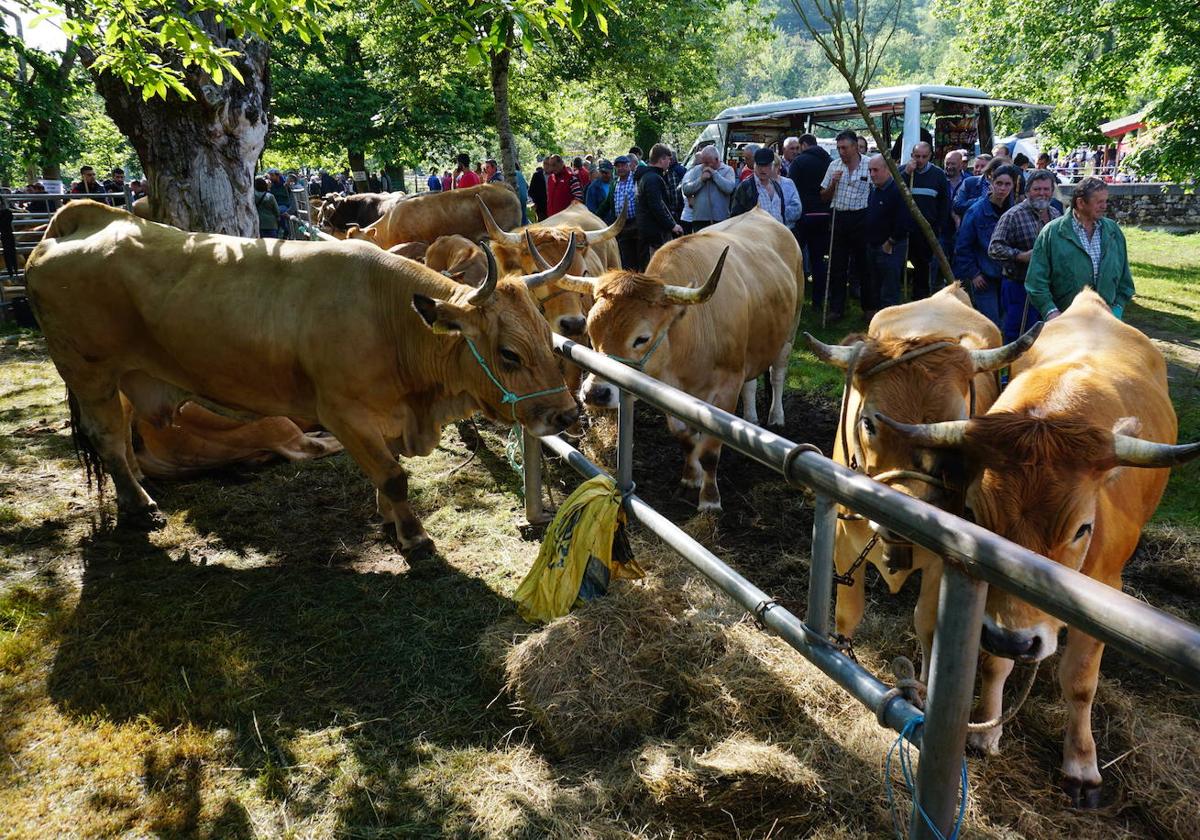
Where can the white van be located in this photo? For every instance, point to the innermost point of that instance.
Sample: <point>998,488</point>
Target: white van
<point>949,117</point>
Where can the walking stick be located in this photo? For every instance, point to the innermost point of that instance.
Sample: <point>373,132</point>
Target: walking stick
<point>828,266</point>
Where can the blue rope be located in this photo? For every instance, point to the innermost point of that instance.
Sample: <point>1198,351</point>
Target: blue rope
<point>508,397</point>
<point>903,748</point>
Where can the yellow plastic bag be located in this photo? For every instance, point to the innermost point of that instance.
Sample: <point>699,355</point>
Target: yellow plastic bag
<point>576,562</point>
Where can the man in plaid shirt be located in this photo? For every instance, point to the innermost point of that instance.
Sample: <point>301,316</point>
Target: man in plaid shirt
<point>1012,246</point>
<point>625,195</point>
<point>846,187</point>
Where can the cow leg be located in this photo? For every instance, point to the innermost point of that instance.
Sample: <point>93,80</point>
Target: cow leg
<point>750,401</point>
<point>107,429</point>
<point>779,372</point>
<point>925,613</point>
<point>708,449</point>
<point>687,442</point>
<point>1078,674</point>
<point>366,445</point>
<point>849,601</point>
<point>995,671</point>
<point>128,413</point>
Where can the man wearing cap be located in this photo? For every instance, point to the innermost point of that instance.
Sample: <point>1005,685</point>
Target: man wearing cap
<point>707,188</point>
<point>598,197</point>
<point>625,196</point>
<point>767,190</point>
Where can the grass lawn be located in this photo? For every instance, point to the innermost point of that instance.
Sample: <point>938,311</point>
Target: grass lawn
<point>267,667</point>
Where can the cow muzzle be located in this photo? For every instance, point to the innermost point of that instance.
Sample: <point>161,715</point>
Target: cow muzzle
<point>1023,645</point>
<point>596,393</point>
<point>572,326</point>
<point>554,421</point>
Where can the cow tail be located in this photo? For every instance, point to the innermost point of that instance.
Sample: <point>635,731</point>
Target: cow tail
<point>85,451</point>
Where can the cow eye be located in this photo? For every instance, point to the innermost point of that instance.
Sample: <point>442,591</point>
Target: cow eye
<point>510,357</point>
<point>868,425</point>
<point>640,340</point>
<point>1083,531</point>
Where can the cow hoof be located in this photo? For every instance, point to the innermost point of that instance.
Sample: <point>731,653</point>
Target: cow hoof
<point>775,421</point>
<point>1083,795</point>
<point>708,507</point>
<point>419,549</point>
<point>985,743</point>
<point>147,519</point>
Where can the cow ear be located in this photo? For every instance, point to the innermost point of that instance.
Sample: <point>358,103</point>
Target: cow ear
<point>442,316</point>
<point>1132,427</point>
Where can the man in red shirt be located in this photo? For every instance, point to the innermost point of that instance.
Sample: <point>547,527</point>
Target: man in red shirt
<point>581,172</point>
<point>562,185</point>
<point>464,176</point>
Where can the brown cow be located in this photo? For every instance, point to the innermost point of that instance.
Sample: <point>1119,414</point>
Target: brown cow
<point>918,363</point>
<point>339,212</point>
<point>198,440</point>
<point>711,341</point>
<point>1050,469</point>
<point>425,217</point>
<point>382,358</point>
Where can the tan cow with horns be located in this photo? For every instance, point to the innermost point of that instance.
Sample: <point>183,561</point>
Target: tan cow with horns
<point>378,349</point>
<point>1070,462</point>
<point>919,362</point>
<point>709,337</point>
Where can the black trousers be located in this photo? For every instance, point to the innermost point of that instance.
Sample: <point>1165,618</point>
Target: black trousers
<point>627,246</point>
<point>924,263</point>
<point>648,243</point>
<point>813,232</point>
<point>847,258</point>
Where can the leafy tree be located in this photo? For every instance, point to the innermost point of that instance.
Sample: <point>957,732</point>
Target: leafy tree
<point>188,84</point>
<point>1110,58</point>
<point>493,32</point>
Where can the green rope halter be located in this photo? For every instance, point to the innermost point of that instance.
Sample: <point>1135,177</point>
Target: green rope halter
<point>508,396</point>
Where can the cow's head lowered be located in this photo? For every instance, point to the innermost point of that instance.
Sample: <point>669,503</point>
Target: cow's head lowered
<point>1036,480</point>
<point>913,380</point>
<point>508,366</point>
<point>631,317</point>
<point>532,250</point>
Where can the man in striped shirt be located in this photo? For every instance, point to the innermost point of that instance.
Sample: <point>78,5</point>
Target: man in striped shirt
<point>846,187</point>
<point>625,195</point>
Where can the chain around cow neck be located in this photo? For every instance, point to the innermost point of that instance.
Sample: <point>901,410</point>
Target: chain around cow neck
<point>508,397</point>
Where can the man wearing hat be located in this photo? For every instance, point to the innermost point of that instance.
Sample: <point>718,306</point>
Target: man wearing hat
<point>598,197</point>
<point>768,191</point>
<point>625,196</point>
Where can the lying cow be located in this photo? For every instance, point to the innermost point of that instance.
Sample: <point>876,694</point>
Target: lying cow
<point>925,361</point>
<point>198,440</point>
<point>425,217</point>
<point>339,212</point>
<point>711,339</point>
<point>526,249</point>
<point>1049,470</point>
<point>382,358</point>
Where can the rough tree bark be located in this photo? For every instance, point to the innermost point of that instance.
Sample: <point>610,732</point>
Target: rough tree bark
<point>358,166</point>
<point>500,64</point>
<point>199,154</point>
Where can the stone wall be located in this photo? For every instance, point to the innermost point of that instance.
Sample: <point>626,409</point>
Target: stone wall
<point>1153,205</point>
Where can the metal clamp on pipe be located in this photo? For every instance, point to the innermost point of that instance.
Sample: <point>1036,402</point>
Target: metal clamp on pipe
<point>760,612</point>
<point>794,453</point>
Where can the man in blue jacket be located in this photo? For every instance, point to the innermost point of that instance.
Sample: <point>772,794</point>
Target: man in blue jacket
<point>888,225</point>
<point>598,197</point>
<point>979,273</point>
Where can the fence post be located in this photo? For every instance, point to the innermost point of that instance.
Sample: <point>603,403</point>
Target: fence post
<point>531,463</point>
<point>820,571</point>
<point>948,707</point>
<point>625,442</point>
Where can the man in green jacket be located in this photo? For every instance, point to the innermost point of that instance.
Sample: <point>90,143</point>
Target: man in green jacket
<point>1083,248</point>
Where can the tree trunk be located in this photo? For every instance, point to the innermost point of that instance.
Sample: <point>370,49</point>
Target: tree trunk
<point>648,121</point>
<point>500,64</point>
<point>358,170</point>
<point>917,216</point>
<point>199,154</point>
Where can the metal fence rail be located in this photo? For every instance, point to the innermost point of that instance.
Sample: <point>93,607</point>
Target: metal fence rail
<point>975,557</point>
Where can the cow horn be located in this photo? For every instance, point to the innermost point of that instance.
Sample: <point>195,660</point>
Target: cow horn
<point>684,294</point>
<point>1004,356</point>
<point>838,355</point>
<point>577,283</point>
<point>497,233</point>
<point>534,252</point>
<point>1135,452</point>
<point>946,435</point>
<point>595,237</point>
<point>484,293</point>
<point>551,274</point>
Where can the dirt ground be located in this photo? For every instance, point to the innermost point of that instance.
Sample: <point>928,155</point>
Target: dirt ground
<point>268,666</point>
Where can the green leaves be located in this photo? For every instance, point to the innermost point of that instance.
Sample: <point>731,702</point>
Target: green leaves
<point>152,45</point>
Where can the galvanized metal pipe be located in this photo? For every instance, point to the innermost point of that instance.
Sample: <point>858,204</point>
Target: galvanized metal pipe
<point>948,706</point>
<point>851,676</point>
<point>625,442</point>
<point>820,570</point>
<point>531,460</point>
<point>1133,627</point>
